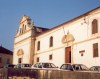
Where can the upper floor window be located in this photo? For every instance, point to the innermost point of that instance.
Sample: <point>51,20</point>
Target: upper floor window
<point>38,45</point>
<point>24,28</point>
<point>95,50</point>
<point>51,41</point>
<point>94,26</point>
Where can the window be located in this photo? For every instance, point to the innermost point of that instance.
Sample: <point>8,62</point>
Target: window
<point>20,60</point>
<point>8,61</point>
<point>0,60</point>
<point>38,45</point>
<point>94,26</point>
<point>50,57</point>
<point>23,28</point>
<point>51,41</point>
<point>37,59</point>
<point>95,50</point>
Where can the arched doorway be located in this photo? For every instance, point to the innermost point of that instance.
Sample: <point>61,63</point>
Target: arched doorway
<point>20,55</point>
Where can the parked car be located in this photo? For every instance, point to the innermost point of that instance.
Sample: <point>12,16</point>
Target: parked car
<point>74,67</point>
<point>80,67</point>
<point>9,66</point>
<point>95,68</point>
<point>44,65</point>
<point>67,66</point>
<point>23,65</point>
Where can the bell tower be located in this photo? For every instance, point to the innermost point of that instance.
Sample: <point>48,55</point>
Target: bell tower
<point>24,42</point>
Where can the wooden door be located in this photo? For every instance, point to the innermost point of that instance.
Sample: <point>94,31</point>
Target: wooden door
<point>68,55</point>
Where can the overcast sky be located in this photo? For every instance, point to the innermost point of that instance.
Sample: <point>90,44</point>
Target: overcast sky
<point>44,13</point>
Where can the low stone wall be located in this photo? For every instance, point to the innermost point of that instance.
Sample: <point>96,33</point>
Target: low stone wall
<point>3,73</point>
<point>11,73</point>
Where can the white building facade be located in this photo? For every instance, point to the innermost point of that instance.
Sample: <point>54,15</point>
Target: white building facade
<point>75,41</point>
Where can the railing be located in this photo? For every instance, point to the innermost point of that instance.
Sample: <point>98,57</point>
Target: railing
<point>14,73</point>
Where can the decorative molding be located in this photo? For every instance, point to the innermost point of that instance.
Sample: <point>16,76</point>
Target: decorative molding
<point>23,40</point>
<point>68,38</point>
<point>20,52</point>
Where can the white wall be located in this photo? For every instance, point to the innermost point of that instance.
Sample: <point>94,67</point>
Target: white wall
<point>83,41</point>
<point>25,46</point>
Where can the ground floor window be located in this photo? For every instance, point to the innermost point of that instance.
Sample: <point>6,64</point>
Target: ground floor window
<point>50,57</point>
<point>8,61</point>
<point>38,59</point>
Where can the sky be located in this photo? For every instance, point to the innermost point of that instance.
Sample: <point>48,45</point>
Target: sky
<point>44,13</point>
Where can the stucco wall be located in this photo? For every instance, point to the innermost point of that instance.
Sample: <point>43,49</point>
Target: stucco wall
<point>4,58</point>
<point>25,46</point>
<point>84,39</point>
<point>79,28</point>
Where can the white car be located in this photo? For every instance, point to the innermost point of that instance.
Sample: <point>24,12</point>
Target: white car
<point>74,67</point>
<point>44,65</point>
<point>67,66</point>
<point>23,65</point>
<point>95,68</point>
